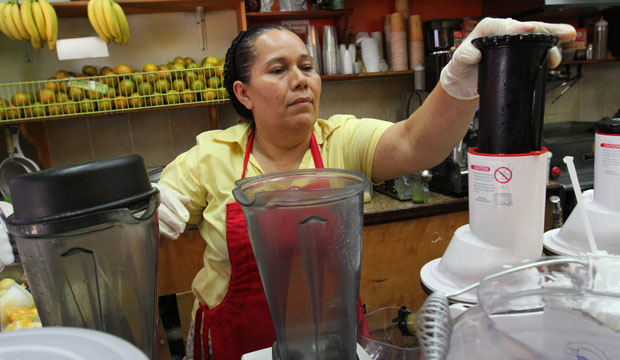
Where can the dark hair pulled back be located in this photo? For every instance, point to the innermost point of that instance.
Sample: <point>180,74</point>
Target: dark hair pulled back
<point>239,60</point>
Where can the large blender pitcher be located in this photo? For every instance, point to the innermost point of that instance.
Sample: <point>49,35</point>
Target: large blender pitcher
<point>88,240</point>
<point>305,227</point>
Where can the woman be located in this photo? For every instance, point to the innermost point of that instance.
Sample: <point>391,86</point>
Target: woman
<point>272,83</point>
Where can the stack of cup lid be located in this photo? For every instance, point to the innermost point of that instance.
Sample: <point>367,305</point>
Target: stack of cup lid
<point>398,40</point>
<point>416,42</point>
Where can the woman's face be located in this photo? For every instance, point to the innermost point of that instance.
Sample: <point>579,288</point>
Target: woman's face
<point>284,88</point>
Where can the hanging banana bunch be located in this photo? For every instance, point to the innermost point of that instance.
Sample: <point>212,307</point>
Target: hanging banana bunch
<point>109,21</point>
<point>33,20</point>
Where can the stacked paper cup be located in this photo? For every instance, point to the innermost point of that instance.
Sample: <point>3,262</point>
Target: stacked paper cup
<point>398,40</point>
<point>416,42</point>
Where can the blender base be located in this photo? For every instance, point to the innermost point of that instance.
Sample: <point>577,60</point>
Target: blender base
<point>435,281</point>
<point>267,354</point>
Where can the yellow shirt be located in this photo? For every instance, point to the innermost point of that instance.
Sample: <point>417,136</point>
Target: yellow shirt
<point>207,173</point>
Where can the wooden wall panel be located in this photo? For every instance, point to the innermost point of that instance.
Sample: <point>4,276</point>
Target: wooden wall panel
<point>394,253</point>
<point>179,261</point>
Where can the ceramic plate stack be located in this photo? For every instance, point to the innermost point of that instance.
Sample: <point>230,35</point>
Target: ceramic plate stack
<point>398,40</point>
<point>416,42</point>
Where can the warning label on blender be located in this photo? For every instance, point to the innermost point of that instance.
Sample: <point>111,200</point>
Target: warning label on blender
<point>490,184</point>
<point>610,159</point>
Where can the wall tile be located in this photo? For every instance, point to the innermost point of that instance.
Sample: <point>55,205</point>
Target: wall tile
<point>110,136</point>
<point>185,125</point>
<point>69,141</point>
<point>151,137</point>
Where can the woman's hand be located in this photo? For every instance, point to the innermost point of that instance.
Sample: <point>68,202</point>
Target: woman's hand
<point>172,213</point>
<point>460,77</point>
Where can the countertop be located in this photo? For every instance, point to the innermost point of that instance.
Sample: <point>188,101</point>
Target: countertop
<point>383,209</point>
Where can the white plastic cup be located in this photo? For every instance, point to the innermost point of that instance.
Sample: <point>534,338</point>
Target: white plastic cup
<point>353,50</point>
<point>357,67</point>
<point>341,50</point>
<point>419,77</point>
<point>347,64</point>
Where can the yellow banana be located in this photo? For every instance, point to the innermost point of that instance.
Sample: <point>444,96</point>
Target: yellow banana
<point>92,17</point>
<point>51,23</point>
<point>7,18</point>
<point>17,20</point>
<point>39,20</point>
<point>103,25</point>
<point>3,26</point>
<point>122,22</point>
<point>110,19</point>
<point>25,11</point>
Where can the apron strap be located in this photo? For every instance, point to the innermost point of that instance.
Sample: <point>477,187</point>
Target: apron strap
<point>201,327</point>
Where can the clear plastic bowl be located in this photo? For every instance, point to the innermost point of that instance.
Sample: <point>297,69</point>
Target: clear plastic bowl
<point>382,339</point>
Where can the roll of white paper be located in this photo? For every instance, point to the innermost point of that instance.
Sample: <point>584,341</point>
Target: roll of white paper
<point>378,35</point>
<point>370,54</point>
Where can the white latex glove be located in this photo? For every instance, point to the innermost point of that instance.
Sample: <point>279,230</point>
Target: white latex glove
<point>172,213</point>
<point>6,251</point>
<point>460,76</point>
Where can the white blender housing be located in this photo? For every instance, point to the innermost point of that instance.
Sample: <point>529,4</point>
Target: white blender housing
<point>507,171</point>
<point>603,208</point>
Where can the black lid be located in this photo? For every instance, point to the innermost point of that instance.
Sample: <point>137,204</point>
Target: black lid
<point>76,190</point>
<point>608,126</point>
<point>528,39</point>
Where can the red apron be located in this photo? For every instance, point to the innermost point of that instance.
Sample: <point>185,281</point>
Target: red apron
<point>241,323</point>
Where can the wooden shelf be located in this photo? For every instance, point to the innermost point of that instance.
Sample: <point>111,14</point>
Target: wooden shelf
<point>297,15</point>
<point>374,75</point>
<point>133,7</point>
<point>577,62</point>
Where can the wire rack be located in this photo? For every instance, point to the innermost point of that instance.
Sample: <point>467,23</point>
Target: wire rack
<point>110,93</point>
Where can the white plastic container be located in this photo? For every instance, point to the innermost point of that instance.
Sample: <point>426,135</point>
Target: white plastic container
<point>60,343</point>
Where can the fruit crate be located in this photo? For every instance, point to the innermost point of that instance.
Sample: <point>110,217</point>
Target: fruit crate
<point>111,93</point>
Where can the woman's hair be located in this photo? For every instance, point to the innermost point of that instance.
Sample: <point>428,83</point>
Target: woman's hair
<point>239,60</point>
